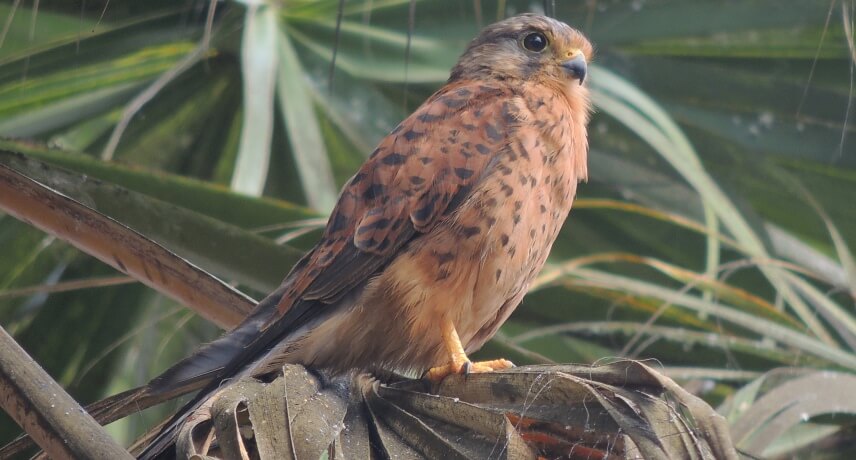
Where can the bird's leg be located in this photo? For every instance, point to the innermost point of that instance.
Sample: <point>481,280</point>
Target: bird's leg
<point>458,357</point>
<point>459,363</point>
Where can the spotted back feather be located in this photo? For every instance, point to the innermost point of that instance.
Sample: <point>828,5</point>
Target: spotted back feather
<point>417,175</point>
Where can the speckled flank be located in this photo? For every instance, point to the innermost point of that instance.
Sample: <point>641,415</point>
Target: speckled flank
<point>476,263</point>
<point>453,214</point>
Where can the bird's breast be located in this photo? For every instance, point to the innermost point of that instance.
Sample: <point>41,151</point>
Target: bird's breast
<point>474,266</point>
<point>477,264</point>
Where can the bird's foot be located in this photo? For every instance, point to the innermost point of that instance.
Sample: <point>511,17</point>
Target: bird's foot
<point>465,367</point>
<point>459,362</point>
<point>457,365</point>
<point>489,366</point>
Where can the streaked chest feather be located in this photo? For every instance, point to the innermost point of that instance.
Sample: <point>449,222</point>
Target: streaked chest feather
<point>492,247</point>
<point>476,264</point>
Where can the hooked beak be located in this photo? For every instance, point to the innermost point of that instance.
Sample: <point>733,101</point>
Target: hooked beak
<point>576,67</point>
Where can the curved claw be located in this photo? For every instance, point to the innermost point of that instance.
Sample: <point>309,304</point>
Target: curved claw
<point>459,363</point>
<point>437,374</point>
<point>490,366</point>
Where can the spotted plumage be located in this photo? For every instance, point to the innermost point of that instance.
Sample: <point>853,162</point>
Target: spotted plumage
<point>435,240</point>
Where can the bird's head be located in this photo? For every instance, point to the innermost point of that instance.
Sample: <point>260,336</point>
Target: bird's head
<point>526,47</point>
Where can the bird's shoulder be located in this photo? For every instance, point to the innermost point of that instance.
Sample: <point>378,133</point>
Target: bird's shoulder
<point>417,175</point>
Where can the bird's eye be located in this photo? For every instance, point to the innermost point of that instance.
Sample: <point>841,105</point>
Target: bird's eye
<point>536,41</point>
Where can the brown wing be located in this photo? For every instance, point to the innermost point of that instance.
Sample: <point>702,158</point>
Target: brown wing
<point>419,173</point>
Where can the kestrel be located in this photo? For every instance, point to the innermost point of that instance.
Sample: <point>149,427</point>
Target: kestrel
<point>435,240</point>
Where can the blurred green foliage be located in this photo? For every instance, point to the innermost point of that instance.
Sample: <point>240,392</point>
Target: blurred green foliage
<point>714,234</point>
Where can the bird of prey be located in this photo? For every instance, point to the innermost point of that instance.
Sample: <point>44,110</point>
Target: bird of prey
<point>435,240</point>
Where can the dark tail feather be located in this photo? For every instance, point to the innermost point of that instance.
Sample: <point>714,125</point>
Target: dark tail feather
<point>186,376</point>
<point>256,348</point>
<point>299,315</point>
<point>147,438</point>
<point>256,337</point>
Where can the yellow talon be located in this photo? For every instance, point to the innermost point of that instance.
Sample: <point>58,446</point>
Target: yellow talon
<point>459,363</point>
